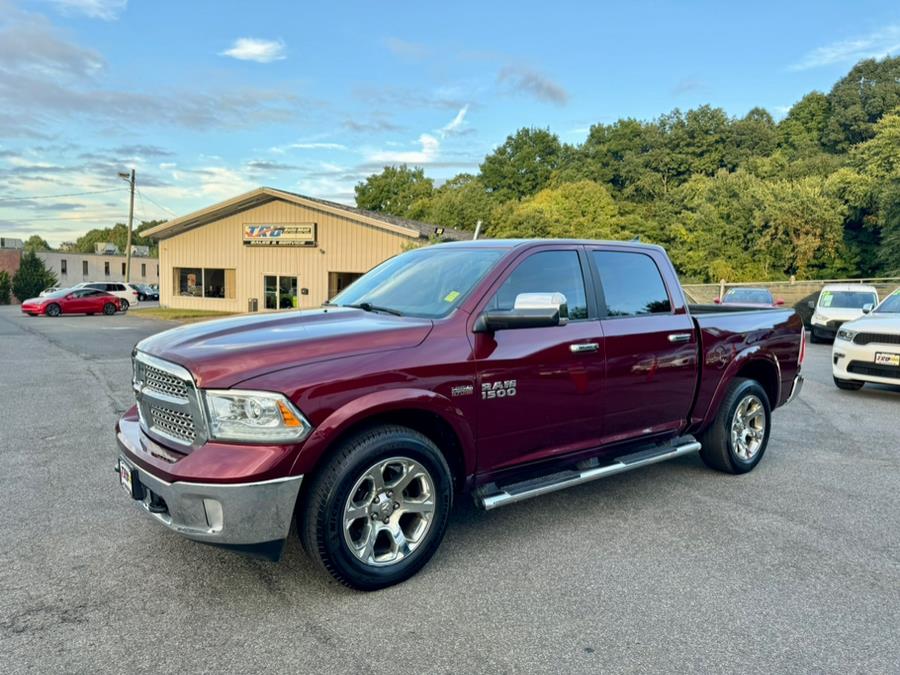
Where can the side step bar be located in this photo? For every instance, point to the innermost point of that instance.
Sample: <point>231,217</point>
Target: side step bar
<point>492,496</point>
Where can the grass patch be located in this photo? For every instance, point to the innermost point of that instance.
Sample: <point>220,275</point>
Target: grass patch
<point>175,314</point>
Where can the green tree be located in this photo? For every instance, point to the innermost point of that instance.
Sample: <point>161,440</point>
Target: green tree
<point>36,244</point>
<point>459,203</point>
<point>802,129</point>
<point>32,277</point>
<point>573,210</point>
<point>859,99</point>
<point>5,288</point>
<point>523,164</point>
<point>118,235</point>
<point>394,190</point>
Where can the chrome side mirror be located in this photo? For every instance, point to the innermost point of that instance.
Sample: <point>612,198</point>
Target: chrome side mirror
<point>868,307</point>
<point>544,301</point>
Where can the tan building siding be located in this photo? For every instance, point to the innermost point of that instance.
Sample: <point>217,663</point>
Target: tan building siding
<point>342,245</point>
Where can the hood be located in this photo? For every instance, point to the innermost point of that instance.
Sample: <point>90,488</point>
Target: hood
<point>224,352</point>
<point>876,323</point>
<point>838,313</point>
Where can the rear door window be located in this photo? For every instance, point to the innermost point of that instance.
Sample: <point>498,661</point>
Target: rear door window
<point>632,284</point>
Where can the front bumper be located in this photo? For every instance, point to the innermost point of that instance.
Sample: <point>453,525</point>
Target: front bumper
<point>252,517</point>
<point>846,353</point>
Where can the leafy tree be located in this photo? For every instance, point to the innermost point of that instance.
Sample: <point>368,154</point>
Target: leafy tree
<point>582,209</point>
<point>5,288</point>
<point>394,190</point>
<point>36,243</point>
<point>459,203</point>
<point>523,164</point>
<point>859,99</point>
<point>802,130</point>
<point>32,277</point>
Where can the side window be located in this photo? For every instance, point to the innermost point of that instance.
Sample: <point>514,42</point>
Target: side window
<point>632,284</point>
<point>117,287</point>
<point>546,272</point>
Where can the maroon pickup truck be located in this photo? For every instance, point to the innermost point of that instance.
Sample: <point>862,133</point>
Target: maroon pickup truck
<point>502,369</point>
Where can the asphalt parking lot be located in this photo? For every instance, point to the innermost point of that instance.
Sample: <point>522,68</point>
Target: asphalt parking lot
<point>794,567</point>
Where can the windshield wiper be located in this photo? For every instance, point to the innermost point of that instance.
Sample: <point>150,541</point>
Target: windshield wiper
<point>369,307</point>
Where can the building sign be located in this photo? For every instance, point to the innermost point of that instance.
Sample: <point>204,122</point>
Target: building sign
<point>294,234</point>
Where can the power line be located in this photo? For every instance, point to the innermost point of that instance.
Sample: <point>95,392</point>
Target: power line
<point>152,201</point>
<point>53,218</point>
<point>68,194</point>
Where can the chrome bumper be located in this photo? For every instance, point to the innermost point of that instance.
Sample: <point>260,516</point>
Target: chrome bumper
<point>236,515</point>
<point>795,388</point>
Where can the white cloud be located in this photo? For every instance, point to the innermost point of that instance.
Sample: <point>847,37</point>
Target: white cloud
<point>524,80</point>
<point>427,154</point>
<point>254,49</point>
<point>280,149</point>
<point>454,125</point>
<point>882,42</point>
<point>108,10</point>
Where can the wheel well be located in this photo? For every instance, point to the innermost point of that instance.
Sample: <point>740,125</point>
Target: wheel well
<point>429,424</point>
<point>766,374</point>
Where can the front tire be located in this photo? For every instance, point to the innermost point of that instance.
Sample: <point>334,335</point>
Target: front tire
<point>849,385</point>
<point>124,305</point>
<point>53,310</point>
<point>376,512</point>
<point>737,439</point>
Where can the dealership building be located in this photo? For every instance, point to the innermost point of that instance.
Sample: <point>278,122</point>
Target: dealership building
<point>270,249</point>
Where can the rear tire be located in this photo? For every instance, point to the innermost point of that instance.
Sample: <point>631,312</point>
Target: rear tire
<point>849,385</point>
<point>53,310</point>
<point>363,533</point>
<point>737,439</point>
<point>109,309</point>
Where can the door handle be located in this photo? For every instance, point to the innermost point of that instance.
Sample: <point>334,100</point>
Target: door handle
<point>680,337</point>
<point>580,347</point>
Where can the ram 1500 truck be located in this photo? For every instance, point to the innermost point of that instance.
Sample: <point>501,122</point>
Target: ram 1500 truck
<point>502,369</point>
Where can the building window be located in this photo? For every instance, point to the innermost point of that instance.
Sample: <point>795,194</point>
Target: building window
<point>123,269</point>
<point>338,281</point>
<point>280,292</point>
<point>63,268</point>
<point>157,271</point>
<point>84,268</point>
<point>143,269</point>
<point>106,268</point>
<point>204,283</point>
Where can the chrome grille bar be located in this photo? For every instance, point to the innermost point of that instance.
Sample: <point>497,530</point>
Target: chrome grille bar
<point>168,402</point>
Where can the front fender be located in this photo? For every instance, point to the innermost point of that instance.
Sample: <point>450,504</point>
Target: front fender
<point>379,403</point>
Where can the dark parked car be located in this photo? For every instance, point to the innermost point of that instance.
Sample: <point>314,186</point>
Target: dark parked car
<point>501,369</point>
<point>146,292</point>
<point>73,301</point>
<point>758,297</point>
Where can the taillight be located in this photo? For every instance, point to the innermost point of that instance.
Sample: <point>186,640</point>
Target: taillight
<point>802,346</point>
<point>134,293</point>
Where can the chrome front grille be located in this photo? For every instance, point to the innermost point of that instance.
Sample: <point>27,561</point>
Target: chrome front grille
<point>168,402</point>
<point>164,383</point>
<point>173,423</point>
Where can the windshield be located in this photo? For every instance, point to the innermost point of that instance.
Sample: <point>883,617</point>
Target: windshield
<point>891,304</point>
<point>756,296</point>
<point>58,294</point>
<point>847,299</point>
<point>427,282</point>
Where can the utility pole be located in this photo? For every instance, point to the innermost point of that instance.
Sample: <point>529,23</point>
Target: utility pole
<point>130,179</point>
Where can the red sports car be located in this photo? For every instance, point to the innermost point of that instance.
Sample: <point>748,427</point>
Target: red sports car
<point>73,301</point>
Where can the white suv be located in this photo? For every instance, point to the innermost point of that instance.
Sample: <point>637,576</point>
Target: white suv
<point>868,349</point>
<point>120,289</point>
<point>839,303</point>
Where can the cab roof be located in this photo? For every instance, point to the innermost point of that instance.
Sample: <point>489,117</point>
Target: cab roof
<point>527,243</point>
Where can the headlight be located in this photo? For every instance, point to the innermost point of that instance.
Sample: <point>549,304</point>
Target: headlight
<point>257,416</point>
<point>846,335</point>
<point>818,318</point>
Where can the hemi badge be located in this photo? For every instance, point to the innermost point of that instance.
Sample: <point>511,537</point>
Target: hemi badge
<point>463,390</point>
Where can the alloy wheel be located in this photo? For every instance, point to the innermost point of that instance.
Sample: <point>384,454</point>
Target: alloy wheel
<point>748,427</point>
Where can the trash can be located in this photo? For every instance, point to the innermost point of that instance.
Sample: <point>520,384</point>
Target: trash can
<point>253,305</point>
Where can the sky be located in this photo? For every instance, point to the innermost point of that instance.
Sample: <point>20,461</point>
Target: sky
<point>209,99</point>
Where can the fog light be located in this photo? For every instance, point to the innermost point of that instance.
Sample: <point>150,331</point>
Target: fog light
<point>214,516</point>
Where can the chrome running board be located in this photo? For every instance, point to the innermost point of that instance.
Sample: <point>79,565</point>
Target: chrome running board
<point>492,496</point>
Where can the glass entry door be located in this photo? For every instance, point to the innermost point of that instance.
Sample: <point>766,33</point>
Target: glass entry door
<point>280,292</point>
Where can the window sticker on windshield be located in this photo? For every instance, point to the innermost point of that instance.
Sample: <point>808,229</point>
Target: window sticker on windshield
<point>826,299</point>
<point>451,296</point>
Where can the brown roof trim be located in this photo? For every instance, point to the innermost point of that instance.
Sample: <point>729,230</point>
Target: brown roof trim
<point>263,195</point>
